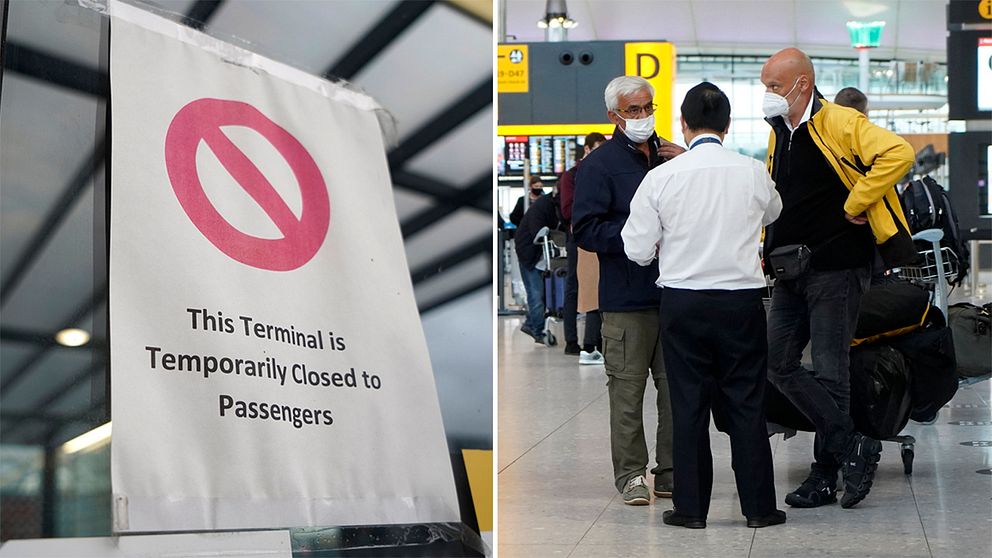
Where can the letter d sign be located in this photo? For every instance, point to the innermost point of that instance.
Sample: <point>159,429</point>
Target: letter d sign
<point>654,62</point>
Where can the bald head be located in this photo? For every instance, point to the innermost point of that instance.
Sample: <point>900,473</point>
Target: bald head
<point>791,62</point>
<point>789,73</point>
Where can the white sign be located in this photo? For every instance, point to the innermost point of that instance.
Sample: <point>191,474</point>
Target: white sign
<point>268,364</point>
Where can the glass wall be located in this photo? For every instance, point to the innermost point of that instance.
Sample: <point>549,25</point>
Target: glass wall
<point>898,83</point>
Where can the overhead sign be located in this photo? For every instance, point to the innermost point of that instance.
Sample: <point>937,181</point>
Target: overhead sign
<point>512,71</point>
<point>655,62</point>
<point>984,79</point>
<point>268,364</point>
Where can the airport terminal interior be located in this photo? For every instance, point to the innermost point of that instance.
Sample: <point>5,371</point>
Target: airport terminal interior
<point>556,494</point>
<point>478,101</point>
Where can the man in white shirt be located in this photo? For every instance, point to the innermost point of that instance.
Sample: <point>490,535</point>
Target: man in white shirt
<point>702,214</point>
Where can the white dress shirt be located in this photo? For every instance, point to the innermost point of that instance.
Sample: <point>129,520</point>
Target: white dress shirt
<point>702,213</point>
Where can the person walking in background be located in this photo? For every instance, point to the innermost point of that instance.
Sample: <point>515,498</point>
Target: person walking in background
<point>544,212</point>
<point>628,296</point>
<point>834,170</point>
<point>588,352</point>
<point>534,191</point>
<point>852,97</point>
<point>702,215</point>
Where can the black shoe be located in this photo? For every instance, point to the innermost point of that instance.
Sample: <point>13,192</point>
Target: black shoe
<point>538,337</point>
<point>859,468</point>
<point>815,491</point>
<point>572,348</point>
<point>777,517</point>
<point>672,517</point>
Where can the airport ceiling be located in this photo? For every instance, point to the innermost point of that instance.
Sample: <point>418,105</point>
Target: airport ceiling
<point>429,62</point>
<point>914,29</point>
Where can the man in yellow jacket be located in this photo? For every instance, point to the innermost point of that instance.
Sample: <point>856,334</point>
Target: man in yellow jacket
<point>835,172</point>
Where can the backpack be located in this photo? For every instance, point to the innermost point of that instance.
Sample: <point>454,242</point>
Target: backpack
<point>927,206</point>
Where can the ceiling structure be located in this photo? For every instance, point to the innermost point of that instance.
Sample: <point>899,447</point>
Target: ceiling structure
<point>914,29</point>
<point>52,264</point>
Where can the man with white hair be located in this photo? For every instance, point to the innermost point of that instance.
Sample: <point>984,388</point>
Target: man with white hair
<point>628,296</point>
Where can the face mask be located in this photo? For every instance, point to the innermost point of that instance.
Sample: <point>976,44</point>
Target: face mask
<point>777,105</point>
<point>639,129</point>
<point>536,191</point>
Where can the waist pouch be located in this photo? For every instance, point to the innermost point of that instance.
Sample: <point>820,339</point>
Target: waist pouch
<point>790,262</point>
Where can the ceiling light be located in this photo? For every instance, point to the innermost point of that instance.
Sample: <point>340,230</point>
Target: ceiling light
<point>89,439</point>
<point>72,337</point>
<point>865,34</point>
<point>556,16</point>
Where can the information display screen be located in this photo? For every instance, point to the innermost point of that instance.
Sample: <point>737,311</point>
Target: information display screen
<point>985,73</point>
<point>546,155</point>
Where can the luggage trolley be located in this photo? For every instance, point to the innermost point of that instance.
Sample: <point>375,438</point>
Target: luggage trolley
<point>935,268</point>
<point>554,268</point>
<point>936,265</point>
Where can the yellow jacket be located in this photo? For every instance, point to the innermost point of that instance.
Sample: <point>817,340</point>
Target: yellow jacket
<point>869,160</point>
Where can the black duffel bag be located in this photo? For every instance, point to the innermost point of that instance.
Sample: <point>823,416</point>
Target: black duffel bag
<point>880,391</point>
<point>929,352</point>
<point>890,310</point>
<point>972,340</point>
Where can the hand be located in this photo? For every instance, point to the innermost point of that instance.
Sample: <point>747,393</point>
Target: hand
<point>668,150</point>
<point>856,219</point>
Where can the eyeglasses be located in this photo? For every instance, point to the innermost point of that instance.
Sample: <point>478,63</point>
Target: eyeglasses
<point>634,111</point>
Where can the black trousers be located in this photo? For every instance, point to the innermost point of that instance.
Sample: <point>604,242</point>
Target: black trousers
<point>716,355</point>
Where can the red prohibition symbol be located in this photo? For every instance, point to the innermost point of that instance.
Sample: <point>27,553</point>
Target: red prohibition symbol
<point>201,120</point>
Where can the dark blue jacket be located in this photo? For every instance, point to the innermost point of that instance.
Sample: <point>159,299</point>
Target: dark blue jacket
<point>604,186</point>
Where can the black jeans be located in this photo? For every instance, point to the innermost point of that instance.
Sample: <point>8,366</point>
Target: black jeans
<point>716,355</point>
<point>591,338</point>
<point>820,308</point>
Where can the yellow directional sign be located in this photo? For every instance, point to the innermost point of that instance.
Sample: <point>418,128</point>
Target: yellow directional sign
<point>985,9</point>
<point>512,64</point>
<point>655,62</point>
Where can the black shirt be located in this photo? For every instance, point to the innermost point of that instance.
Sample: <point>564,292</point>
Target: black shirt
<point>543,212</point>
<point>813,198</point>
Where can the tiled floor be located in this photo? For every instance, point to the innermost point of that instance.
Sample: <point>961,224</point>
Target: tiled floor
<point>556,495</point>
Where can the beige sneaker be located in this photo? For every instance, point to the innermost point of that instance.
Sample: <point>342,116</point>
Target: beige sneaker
<point>636,492</point>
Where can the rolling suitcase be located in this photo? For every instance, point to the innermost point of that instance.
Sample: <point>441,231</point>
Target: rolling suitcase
<point>554,292</point>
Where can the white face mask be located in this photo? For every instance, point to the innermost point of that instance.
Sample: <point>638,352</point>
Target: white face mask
<point>776,105</point>
<point>638,129</point>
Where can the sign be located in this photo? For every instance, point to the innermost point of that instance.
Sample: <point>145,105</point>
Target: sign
<point>985,9</point>
<point>655,62</point>
<point>512,69</point>
<point>202,120</point>
<point>268,365</point>
<point>984,73</point>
